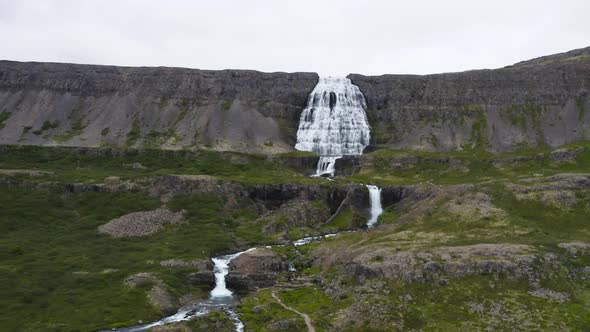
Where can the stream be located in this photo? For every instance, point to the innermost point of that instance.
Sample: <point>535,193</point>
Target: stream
<point>220,298</point>
<point>332,125</point>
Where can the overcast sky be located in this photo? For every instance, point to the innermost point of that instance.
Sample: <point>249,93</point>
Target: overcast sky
<point>330,37</point>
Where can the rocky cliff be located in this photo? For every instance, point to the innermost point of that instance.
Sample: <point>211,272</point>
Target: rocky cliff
<point>539,102</point>
<point>84,105</point>
<point>533,103</point>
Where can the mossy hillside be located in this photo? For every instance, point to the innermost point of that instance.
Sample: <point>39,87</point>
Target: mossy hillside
<point>466,166</point>
<point>69,165</point>
<point>472,303</point>
<point>259,311</point>
<point>58,271</point>
<point>475,303</point>
<point>518,221</point>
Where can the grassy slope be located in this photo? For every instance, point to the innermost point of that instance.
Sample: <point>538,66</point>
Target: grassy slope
<point>47,236</point>
<point>472,303</point>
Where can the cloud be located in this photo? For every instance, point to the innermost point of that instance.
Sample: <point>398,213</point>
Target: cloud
<point>330,37</point>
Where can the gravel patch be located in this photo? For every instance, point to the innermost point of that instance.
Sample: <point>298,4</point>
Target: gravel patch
<point>140,223</point>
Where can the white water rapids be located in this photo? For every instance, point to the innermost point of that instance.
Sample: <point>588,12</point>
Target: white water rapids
<point>220,298</point>
<point>334,122</point>
<point>221,269</point>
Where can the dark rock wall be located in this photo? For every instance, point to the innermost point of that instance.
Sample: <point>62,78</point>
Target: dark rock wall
<point>539,102</point>
<point>543,101</point>
<point>85,105</point>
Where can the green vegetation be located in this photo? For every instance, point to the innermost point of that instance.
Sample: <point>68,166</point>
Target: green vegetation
<point>56,268</point>
<point>226,105</point>
<point>184,106</point>
<point>3,117</point>
<point>464,166</point>
<point>155,139</point>
<point>105,131</point>
<point>471,303</point>
<point>260,311</point>
<point>69,165</point>
<point>580,102</point>
<point>134,134</point>
<point>46,126</point>
<point>75,130</point>
<point>59,274</point>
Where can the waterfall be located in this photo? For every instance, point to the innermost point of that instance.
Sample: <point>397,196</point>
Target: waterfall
<point>220,297</point>
<point>334,122</point>
<point>376,208</point>
<point>221,269</point>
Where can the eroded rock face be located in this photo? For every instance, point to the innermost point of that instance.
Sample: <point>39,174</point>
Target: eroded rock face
<point>86,105</point>
<point>140,223</point>
<point>158,294</point>
<point>255,269</point>
<point>558,190</point>
<point>457,262</point>
<point>531,103</point>
<point>297,212</point>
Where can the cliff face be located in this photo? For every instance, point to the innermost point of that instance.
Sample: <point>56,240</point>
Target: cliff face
<point>84,105</point>
<point>544,101</point>
<point>538,102</point>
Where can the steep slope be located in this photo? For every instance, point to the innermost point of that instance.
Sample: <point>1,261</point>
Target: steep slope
<point>540,102</point>
<point>533,103</point>
<point>85,105</point>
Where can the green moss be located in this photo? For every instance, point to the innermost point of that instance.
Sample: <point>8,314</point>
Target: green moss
<point>75,130</point>
<point>105,131</point>
<point>296,154</point>
<point>134,134</point>
<point>49,125</point>
<point>267,312</point>
<point>343,220</point>
<point>185,108</point>
<point>226,105</point>
<point>155,139</point>
<point>581,108</point>
<point>3,117</point>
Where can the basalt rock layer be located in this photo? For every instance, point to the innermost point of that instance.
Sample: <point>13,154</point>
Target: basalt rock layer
<point>541,102</point>
<point>172,108</point>
<point>533,103</point>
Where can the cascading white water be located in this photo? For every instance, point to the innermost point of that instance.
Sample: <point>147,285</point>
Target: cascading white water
<point>220,297</point>
<point>221,269</point>
<point>376,208</point>
<point>334,123</point>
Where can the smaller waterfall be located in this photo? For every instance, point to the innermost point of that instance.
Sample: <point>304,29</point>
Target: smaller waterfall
<point>221,269</point>
<point>376,208</point>
<point>220,297</point>
<point>326,166</point>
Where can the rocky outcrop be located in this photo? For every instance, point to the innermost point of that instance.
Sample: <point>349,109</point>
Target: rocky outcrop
<point>510,260</point>
<point>256,269</point>
<point>141,223</point>
<point>298,212</point>
<point>531,103</point>
<point>158,294</point>
<point>86,105</point>
<point>558,190</point>
<point>203,275</point>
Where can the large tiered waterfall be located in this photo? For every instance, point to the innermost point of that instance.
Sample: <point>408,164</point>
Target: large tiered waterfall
<point>334,123</point>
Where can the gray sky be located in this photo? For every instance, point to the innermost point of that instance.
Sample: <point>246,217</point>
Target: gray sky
<point>330,37</point>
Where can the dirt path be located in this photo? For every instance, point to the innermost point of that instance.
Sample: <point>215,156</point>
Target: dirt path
<point>305,317</point>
